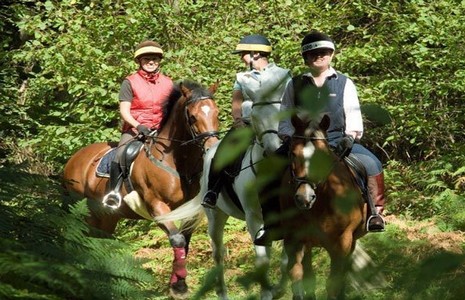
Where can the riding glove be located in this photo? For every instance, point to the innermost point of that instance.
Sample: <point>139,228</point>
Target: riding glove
<point>143,130</point>
<point>344,147</point>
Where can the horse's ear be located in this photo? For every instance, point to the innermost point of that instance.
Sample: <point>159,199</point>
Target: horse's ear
<point>214,87</point>
<point>300,124</point>
<point>185,91</point>
<point>325,122</point>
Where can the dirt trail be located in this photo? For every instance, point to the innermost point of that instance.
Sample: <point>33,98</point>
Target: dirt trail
<point>428,230</point>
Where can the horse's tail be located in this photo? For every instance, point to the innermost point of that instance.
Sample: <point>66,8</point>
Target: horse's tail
<point>190,211</point>
<point>365,274</point>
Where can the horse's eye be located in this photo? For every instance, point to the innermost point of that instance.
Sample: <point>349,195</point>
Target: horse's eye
<point>192,120</point>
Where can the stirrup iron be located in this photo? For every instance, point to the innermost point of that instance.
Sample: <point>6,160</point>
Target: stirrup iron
<point>112,200</point>
<point>381,226</point>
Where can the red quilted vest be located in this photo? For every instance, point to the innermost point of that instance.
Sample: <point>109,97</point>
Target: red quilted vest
<point>147,104</point>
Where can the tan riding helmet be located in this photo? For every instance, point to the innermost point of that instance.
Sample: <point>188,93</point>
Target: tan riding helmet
<point>147,47</point>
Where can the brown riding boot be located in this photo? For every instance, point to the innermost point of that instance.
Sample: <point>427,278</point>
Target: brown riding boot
<point>376,193</point>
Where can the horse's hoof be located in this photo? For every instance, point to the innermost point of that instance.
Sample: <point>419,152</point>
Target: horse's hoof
<point>278,292</point>
<point>179,290</point>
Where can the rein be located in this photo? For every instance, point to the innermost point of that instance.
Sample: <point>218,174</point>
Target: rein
<point>199,139</point>
<point>251,164</point>
<point>261,135</point>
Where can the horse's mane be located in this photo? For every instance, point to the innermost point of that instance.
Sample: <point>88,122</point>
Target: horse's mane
<point>198,92</point>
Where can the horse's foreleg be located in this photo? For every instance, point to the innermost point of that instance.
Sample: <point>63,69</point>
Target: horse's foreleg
<point>178,286</point>
<point>309,277</point>
<point>335,285</point>
<point>102,220</point>
<point>262,264</point>
<point>216,223</point>
<point>187,228</point>
<point>254,220</point>
<point>340,265</point>
<point>295,254</point>
<point>280,289</point>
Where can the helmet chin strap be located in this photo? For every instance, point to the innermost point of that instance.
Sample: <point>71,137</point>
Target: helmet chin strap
<point>251,60</point>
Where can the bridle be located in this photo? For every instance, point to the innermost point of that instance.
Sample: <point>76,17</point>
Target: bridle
<point>198,138</point>
<point>262,134</point>
<point>300,180</point>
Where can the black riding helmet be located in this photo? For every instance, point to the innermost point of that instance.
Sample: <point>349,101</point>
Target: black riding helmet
<point>253,43</point>
<point>316,40</point>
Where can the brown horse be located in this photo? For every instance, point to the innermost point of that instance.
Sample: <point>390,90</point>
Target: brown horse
<point>163,176</point>
<point>324,207</point>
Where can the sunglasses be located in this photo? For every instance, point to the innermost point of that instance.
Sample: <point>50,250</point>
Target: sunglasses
<point>150,58</point>
<point>320,52</point>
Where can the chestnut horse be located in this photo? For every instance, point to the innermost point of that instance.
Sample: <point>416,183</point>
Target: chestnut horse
<point>163,176</point>
<point>325,208</point>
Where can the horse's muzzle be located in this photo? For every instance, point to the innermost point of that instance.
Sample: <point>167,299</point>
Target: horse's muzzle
<point>305,201</point>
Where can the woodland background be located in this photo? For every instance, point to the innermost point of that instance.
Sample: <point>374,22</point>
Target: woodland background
<point>61,64</point>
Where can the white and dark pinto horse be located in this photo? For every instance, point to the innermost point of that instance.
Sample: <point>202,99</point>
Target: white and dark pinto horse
<point>265,125</point>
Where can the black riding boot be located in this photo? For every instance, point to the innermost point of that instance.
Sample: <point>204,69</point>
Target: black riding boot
<point>113,198</point>
<point>271,230</point>
<point>214,188</point>
<point>210,199</point>
<point>269,202</point>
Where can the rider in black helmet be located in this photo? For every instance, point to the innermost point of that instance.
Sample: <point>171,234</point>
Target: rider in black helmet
<point>344,111</point>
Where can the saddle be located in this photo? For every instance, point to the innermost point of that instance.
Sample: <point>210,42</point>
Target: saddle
<point>359,172</point>
<point>131,150</point>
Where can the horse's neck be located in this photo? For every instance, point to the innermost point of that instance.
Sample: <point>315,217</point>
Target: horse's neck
<point>264,119</point>
<point>255,153</point>
<point>172,136</point>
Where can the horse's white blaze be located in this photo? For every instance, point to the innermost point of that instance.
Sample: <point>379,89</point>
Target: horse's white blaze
<point>309,192</point>
<point>206,109</point>
<point>308,152</point>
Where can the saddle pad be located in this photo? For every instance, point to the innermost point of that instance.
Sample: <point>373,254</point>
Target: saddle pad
<point>103,168</point>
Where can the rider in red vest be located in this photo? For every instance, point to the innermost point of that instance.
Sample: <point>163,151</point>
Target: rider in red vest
<point>141,97</point>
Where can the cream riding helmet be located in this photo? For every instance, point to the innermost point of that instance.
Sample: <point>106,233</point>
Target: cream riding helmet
<point>147,47</point>
<point>316,40</point>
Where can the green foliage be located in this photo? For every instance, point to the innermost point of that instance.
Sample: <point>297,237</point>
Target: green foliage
<point>47,253</point>
<point>77,53</point>
<point>435,190</point>
<point>62,63</point>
